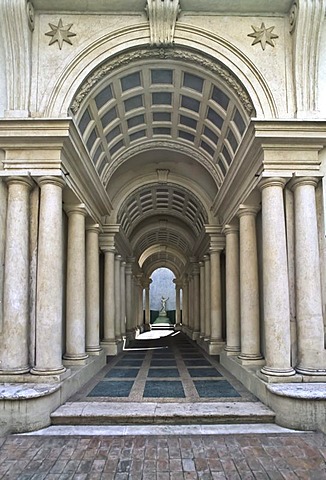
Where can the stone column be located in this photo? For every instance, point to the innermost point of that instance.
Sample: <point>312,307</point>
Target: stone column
<point>109,304</point>
<point>92,289</point>
<point>117,297</point>
<point>177,302</point>
<point>275,281</point>
<point>249,291</point>
<point>14,346</point>
<point>185,303</point>
<point>232,289</point>
<point>147,303</point>
<point>207,297</point>
<point>190,303</point>
<point>196,301</point>
<point>123,298</point>
<point>129,303</point>
<point>202,299</point>
<point>49,294</point>
<point>76,286</point>
<point>216,297</point>
<point>311,349</point>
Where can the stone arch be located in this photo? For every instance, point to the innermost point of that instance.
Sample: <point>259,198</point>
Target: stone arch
<point>62,90</point>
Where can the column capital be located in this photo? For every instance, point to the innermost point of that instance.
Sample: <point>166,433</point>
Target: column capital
<point>51,180</point>
<point>195,269</point>
<point>80,208</point>
<point>206,258</point>
<point>248,210</point>
<point>25,181</point>
<point>118,257</point>
<point>272,182</point>
<point>108,249</point>
<point>230,229</point>
<point>128,268</point>
<point>201,264</point>
<point>95,227</point>
<point>304,181</point>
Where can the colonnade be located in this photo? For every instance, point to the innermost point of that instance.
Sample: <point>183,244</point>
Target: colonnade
<point>252,302</point>
<point>58,343</point>
<point>246,299</point>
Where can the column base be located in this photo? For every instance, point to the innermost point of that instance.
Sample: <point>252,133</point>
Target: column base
<point>310,371</point>
<point>279,379</point>
<point>248,359</point>
<point>278,372</point>
<point>111,347</point>
<point>215,347</point>
<point>15,371</point>
<point>75,359</point>
<point>195,335</point>
<point>45,371</point>
<point>232,350</point>
<point>96,350</point>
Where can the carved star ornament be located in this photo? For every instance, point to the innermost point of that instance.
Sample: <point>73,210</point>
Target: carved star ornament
<point>263,35</point>
<point>60,33</point>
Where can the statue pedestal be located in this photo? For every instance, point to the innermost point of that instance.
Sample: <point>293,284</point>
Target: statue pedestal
<point>162,319</point>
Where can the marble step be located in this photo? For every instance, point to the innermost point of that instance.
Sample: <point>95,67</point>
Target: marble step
<point>130,413</point>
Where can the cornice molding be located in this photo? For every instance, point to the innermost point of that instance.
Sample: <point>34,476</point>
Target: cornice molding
<point>16,27</point>
<point>306,21</point>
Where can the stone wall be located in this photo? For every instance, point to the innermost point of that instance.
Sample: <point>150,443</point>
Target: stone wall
<point>162,285</point>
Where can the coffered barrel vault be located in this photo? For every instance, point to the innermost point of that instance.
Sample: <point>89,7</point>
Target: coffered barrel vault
<point>136,135</point>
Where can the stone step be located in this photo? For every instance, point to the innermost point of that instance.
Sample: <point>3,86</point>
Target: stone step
<point>146,413</point>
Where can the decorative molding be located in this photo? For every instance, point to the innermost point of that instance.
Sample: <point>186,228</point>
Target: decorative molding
<point>30,15</point>
<point>306,21</point>
<point>166,144</point>
<point>162,16</point>
<point>16,27</point>
<point>60,33</point>
<point>263,36</point>
<point>162,175</point>
<point>165,54</point>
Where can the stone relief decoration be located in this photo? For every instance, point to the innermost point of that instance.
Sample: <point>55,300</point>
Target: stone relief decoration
<point>17,23</point>
<point>306,19</point>
<point>263,36</point>
<point>165,54</point>
<point>60,33</point>
<point>162,175</point>
<point>162,16</point>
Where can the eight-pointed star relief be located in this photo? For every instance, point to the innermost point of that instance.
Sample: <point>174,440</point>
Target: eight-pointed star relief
<point>263,35</point>
<point>60,33</point>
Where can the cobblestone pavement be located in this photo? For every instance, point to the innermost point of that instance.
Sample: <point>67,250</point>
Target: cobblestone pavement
<point>233,457</point>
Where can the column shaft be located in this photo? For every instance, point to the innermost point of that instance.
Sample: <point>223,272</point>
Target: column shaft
<point>311,353</point>
<point>202,299</point>
<point>109,305</point>
<point>76,286</point>
<point>123,298</point>
<point>275,281</point>
<point>92,289</point>
<point>216,297</point>
<point>49,295</point>
<point>14,346</point>
<point>232,289</point>
<point>185,303</point>
<point>207,297</point>
<point>117,297</point>
<point>129,309</point>
<point>249,292</point>
<point>196,300</point>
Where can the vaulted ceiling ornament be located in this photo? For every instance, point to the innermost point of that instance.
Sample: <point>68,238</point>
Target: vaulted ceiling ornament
<point>162,16</point>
